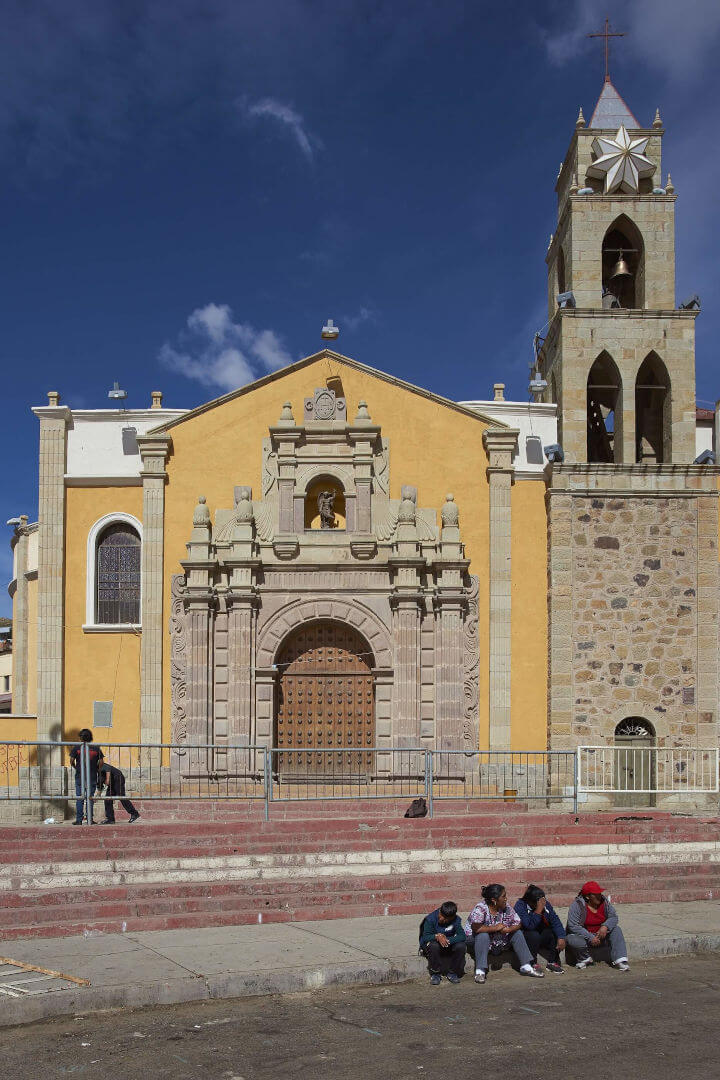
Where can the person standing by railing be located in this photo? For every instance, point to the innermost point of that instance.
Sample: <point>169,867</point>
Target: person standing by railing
<point>94,757</point>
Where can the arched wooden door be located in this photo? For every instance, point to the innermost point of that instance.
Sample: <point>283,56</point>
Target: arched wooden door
<point>326,699</point>
<point>635,772</point>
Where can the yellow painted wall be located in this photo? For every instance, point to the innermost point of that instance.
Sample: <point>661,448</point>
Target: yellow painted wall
<point>15,729</point>
<point>436,448</point>
<point>98,667</point>
<point>529,629</point>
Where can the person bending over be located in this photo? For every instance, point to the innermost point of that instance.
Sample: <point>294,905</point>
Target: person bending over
<point>442,943</point>
<point>493,927</point>
<point>593,922</point>
<point>542,928</point>
<point>115,780</point>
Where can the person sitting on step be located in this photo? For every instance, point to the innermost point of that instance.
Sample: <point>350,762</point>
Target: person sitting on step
<point>542,928</point>
<point>115,780</point>
<point>592,923</point>
<point>442,943</point>
<point>493,927</point>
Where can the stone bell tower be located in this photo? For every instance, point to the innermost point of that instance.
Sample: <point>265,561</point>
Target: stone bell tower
<point>619,357</point>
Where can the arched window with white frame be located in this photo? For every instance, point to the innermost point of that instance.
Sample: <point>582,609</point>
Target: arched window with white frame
<point>114,573</point>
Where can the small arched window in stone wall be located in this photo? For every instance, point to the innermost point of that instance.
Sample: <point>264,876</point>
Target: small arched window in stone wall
<point>117,573</point>
<point>634,727</point>
<point>325,504</point>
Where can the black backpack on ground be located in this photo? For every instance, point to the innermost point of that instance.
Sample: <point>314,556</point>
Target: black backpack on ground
<point>417,808</point>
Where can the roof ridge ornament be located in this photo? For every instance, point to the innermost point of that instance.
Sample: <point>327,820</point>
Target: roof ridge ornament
<point>657,122</point>
<point>580,122</point>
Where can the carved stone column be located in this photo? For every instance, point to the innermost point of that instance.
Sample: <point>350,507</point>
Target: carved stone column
<point>450,607</point>
<point>361,436</point>
<point>154,451</point>
<point>241,600</point>
<point>285,437</point>
<point>499,445</point>
<point>407,602</point>
<point>199,568</point>
<point>51,556</point>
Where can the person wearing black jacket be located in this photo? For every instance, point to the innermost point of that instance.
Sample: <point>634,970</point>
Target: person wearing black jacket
<point>115,780</point>
<point>95,757</point>
<point>542,928</point>
<point>442,943</point>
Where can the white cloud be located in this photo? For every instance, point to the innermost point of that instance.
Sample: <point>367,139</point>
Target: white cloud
<point>678,44</point>
<point>289,121</point>
<point>364,315</point>
<point>216,351</point>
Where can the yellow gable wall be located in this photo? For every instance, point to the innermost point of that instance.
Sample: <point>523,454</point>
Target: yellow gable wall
<point>436,448</point>
<point>529,632</point>
<point>98,667</point>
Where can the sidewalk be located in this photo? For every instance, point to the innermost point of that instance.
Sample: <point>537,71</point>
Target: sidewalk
<point>170,966</point>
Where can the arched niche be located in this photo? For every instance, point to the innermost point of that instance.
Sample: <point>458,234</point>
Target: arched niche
<point>624,240</point>
<point>652,412</point>
<point>604,411</point>
<point>313,492</point>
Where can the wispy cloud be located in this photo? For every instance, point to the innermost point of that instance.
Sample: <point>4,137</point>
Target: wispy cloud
<point>363,315</point>
<point>286,121</point>
<point>216,351</point>
<point>678,45</point>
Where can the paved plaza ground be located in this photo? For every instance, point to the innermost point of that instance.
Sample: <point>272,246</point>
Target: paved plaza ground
<point>656,1022</point>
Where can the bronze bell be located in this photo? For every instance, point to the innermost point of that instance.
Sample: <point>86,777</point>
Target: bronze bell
<point>621,269</point>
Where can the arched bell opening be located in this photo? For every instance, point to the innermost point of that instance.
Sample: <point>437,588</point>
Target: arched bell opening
<point>623,265</point>
<point>325,504</point>
<point>604,412</point>
<point>635,766</point>
<point>652,412</point>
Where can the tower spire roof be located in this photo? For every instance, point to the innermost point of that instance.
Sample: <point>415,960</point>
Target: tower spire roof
<point>611,111</point>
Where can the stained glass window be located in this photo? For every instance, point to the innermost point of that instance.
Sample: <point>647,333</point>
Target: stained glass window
<point>118,575</point>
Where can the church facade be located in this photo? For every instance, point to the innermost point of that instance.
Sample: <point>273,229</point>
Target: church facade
<point>332,557</point>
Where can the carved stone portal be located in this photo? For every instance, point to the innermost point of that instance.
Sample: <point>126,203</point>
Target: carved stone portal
<point>255,573</point>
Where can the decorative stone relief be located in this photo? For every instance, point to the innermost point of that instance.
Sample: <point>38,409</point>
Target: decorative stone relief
<point>382,470</point>
<point>178,662</point>
<point>471,687</point>
<point>269,467</point>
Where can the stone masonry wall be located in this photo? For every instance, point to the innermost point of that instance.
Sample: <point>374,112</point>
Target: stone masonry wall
<point>634,564</point>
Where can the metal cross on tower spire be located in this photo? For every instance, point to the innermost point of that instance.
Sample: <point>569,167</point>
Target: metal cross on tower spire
<point>607,33</point>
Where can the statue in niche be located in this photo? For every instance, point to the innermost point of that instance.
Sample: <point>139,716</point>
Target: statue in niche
<point>326,507</point>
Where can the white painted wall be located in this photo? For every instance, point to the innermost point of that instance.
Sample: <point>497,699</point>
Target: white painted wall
<point>95,447</point>
<point>529,418</point>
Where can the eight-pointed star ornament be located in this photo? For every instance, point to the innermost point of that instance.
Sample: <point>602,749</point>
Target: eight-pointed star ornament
<point>621,162</point>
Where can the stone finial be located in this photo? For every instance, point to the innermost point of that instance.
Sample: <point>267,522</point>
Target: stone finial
<point>286,416</point>
<point>406,513</point>
<point>156,396</point>
<point>657,122</point>
<point>575,185</point>
<point>243,505</point>
<point>53,398</point>
<point>580,122</point>
<point>450,513</point>
<point>201,514</point>
<point>362,413</point>
<point>499,391</point>
<point>670,187</point>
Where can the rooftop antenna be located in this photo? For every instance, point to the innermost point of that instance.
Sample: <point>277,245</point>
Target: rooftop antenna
<point>329,331</point>
<point>116,394</point>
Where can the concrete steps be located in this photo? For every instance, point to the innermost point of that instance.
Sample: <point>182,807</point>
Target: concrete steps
<point>337,861</point>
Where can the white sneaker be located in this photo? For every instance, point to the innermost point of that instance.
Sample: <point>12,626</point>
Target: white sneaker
<point>480,976</point>
<point>532,972</point>
<point>582,964</point>
<point>621,965</point>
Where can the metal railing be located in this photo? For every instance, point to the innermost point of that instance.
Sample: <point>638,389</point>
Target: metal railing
<point>647,770</point>
<point>42,772</point>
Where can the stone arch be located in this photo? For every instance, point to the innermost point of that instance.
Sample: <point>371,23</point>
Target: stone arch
<point>271,636</point>
<point>653,419</point>
<point>604,411</point>
<point>308,474</point>
<point>95,533</point>
<point>623,236</point>
<point>636,710</point>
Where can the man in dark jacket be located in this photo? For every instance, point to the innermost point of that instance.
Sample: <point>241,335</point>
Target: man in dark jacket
<point>94,758</point>
<point>442,943</point>
<point>115,780</point>
<point>542,928</point>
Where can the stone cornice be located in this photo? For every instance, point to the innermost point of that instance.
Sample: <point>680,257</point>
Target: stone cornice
<point>53,412</point>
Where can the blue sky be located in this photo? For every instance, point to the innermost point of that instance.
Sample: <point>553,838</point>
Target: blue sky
<point>191,187</point>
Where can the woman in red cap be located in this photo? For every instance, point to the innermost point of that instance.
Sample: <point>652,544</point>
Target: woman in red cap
<point>592,921</point>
